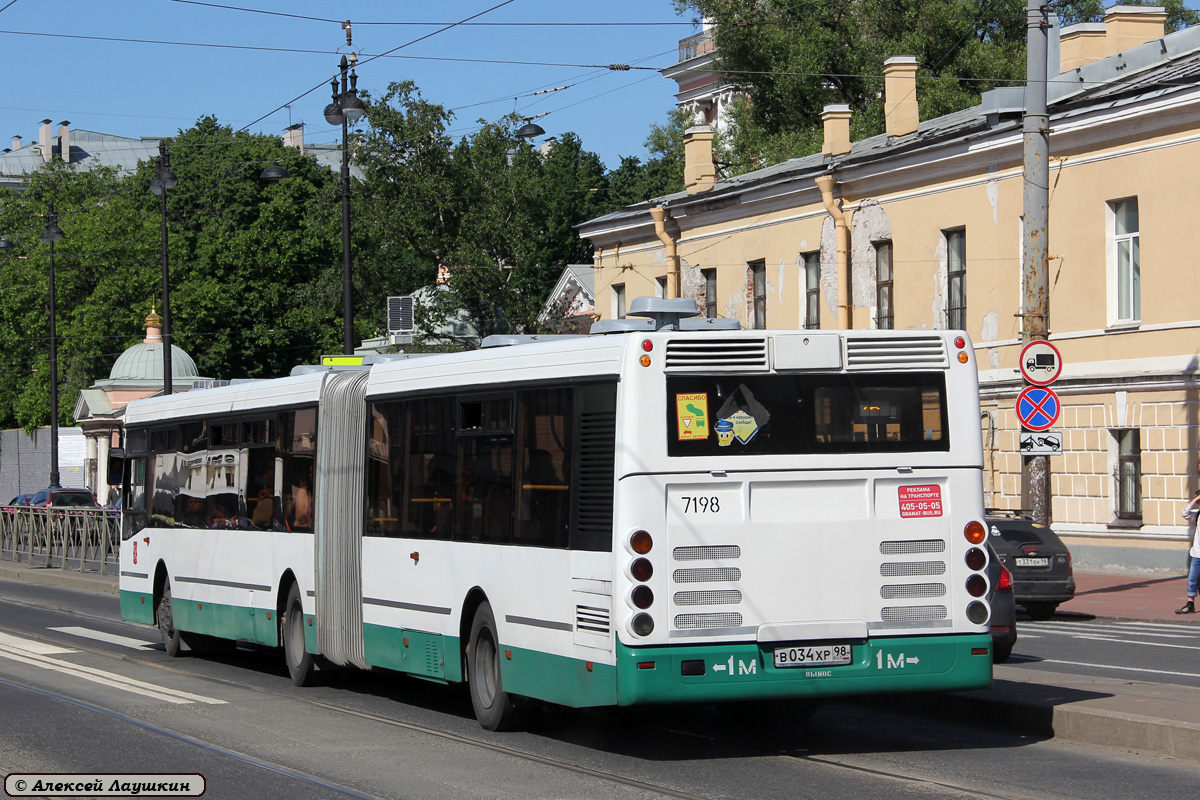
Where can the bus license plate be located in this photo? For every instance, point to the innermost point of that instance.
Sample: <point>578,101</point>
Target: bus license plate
<point>825,655</point>
<point>1033,562</point>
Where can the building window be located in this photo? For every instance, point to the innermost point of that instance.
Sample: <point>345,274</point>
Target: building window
<point>758,281</point>
<point>1129,474</point>
<point>710,293</point>
<point>618,301</point>
<point>956,279</point>
<point>812,290</point>
<point>660,287</point>
<point>1125,253</point>
<point>884,315</point>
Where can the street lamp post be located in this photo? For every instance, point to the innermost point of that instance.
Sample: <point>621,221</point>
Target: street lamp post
<point>345,109</point>
<point>53,234</point>
<point>163,180</point>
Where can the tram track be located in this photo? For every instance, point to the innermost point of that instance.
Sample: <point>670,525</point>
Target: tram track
<point>940,786</point>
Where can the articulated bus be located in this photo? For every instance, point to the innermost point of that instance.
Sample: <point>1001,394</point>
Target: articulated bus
<point>665,510</point>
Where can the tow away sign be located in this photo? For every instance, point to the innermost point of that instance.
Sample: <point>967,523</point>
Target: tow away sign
<point>1042,443</point>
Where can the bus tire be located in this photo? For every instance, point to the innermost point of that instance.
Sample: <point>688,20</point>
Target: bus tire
<point>495,708</point>
<point>172,638</point>
<point>301,664</point>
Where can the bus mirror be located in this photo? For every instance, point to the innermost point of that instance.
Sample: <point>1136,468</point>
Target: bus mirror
<point>116,465</point>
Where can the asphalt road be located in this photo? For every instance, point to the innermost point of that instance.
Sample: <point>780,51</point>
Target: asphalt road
<point>82,691</point>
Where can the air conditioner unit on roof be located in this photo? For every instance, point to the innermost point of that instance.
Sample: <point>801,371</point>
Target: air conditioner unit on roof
<point>400,314</point>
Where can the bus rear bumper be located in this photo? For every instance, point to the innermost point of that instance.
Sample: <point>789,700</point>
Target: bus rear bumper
<point>746,671</point>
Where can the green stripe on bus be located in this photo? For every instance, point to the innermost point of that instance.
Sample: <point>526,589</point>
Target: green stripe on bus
<point>747,672</point>
<point>226,621</point>
<point>415,652</point>
<point>137,607</point>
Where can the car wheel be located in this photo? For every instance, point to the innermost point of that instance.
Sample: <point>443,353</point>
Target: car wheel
<point>1001,653</point>
<point>1041,610</point>
<point>495,708</point>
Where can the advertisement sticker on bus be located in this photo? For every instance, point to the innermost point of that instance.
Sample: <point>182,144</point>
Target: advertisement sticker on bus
<point>692,412</point>
<point>921,501</point>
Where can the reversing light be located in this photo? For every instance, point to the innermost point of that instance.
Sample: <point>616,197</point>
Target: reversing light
<point>643,624</point>
<point>641,542</point>
<point>643,597</point>
<point>647,345</point>
<point>976,586</point>
<point>641,569</point>
<point>977,612</point>
<point>975,532</point>
<point>976,559</point>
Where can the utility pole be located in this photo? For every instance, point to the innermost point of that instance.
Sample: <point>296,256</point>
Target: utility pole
<point>1035,470</point>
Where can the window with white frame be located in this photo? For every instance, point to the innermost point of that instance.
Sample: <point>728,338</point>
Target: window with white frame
<point>884,313</point>
<point>618,301</point>
<point>956,279</point>
<point>710,293</point>
<point>1129,474</point>
<point>812,289</point>
<point>758,278</point>
<point>660,286</point>
<point>1125,262</point>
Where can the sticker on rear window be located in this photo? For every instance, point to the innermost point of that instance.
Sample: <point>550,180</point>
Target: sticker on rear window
<point>691,410</point>
<point>921,501</point>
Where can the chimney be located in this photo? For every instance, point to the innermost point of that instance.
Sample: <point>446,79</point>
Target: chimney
<point>16,143</point>
<point>837,130</point>
<point>699,171</point>
<point>1128,26</point>
<point>45,142</point>
<point>1080,45</point>
<point>900,112</point>
<point>293,136</point>
<point>64,141</point>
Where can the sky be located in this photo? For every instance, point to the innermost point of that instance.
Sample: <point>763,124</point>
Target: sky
<point>132,68</point>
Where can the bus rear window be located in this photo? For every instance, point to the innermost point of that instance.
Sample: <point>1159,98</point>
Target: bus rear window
<point>802,414</point>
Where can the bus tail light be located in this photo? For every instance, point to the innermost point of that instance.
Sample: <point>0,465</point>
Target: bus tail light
<point>977,612</point>
<point>976,586</point>
<point>975,532</point>
<point>643,597</point>
<point>643,625</point>
<point>976,559</point>
<point>641,542</point>
<point>641,569</point>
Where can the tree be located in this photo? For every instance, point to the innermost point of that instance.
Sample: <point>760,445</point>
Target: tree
<point>796,56</point>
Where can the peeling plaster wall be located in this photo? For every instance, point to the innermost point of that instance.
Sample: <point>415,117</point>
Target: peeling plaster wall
<point>988,332</point>
<point>993,194</point>
<point>939,285</point>
<point>829,276</point>
<point>691,281</point>
<point>869,225</point>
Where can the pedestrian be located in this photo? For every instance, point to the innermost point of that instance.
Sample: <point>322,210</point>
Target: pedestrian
<point>1190,512</point>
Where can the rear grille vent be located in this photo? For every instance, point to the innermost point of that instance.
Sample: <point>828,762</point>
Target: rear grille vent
<point>706,575</point>
<point>913,547</point>
<point>718,597</point>
<point>912,590</point>
<point>708,620</point>
<point>717,354</point>
<point>592,618</point>
<point>715,552</point>
<point>594,511</point>
<point>914,352</point>
<point>909,568</point>
<point>913,613</point>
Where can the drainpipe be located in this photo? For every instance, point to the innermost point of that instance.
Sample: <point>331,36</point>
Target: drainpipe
<point>841,227</point>
<point>659,215</point>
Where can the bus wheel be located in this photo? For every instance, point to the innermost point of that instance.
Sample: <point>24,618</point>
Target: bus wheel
<point>302,665</point>
<point>172,639</point>
<point>494,708</point>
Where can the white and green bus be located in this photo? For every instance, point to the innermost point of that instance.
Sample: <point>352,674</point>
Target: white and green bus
<point>663,511</point>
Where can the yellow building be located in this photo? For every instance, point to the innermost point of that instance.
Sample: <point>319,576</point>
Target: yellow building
<point>920,228</point>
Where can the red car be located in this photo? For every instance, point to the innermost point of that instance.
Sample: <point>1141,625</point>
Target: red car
<point>74,498</point>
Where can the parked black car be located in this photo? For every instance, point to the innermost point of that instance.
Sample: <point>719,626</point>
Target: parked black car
<point>1004,609</point>
<point>1039,561</point>
<point>78,498</point>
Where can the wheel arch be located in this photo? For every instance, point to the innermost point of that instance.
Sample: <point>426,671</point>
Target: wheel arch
<point>160,580</point>
<point>286,581</point>
<point>471,603</point>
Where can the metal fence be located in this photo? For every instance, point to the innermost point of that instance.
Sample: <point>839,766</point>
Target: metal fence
<point>65,538</point>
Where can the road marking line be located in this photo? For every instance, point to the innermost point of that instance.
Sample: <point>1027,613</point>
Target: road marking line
<point>1128,669</point>
<point>31,646</point>
<point>111,638</point>
<point>111,679</point>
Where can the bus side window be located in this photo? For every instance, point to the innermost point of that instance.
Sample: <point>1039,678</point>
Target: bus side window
<point>544,512</point>
<point>137,493</point>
